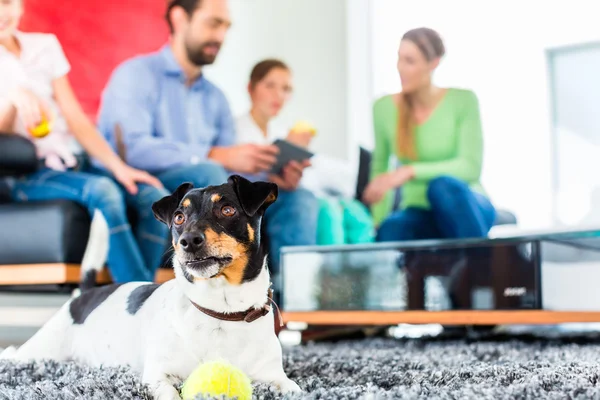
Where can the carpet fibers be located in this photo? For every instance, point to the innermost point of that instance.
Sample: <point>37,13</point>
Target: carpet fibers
<point>365,369</point>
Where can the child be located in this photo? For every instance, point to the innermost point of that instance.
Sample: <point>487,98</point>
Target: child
<point>342,219</point>
<point>33,87</point>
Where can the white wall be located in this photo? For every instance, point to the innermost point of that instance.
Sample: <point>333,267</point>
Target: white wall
<point>498,50</point>
<point>310,36</point>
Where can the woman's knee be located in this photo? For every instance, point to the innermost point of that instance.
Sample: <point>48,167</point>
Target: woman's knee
<point>299,204</point>
<point>146,197</point>
<point>445,189</point>
<point>301,198</point>
<point>104,194</point>
<point>294,217</point>
<point>395,228</point>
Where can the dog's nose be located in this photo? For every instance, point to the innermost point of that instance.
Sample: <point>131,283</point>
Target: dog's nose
<point>191,241</point>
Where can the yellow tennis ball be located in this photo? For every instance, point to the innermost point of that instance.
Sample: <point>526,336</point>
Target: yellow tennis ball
<point>303,126</point>
<point>217,378</point>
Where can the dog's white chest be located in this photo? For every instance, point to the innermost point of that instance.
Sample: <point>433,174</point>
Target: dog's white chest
<point>209,339</point>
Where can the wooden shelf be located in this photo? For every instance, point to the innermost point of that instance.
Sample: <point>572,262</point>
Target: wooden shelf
<point>44,274</point>
<point>475,317</point>
<point>48,274</point>
<point>55,274</point>
<point>163,275</point>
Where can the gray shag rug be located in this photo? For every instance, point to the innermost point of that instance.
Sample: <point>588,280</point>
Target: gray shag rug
<point>365,369</point>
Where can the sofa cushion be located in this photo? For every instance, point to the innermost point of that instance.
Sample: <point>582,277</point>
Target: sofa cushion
<point>43,232</point>
<point>4,191</point>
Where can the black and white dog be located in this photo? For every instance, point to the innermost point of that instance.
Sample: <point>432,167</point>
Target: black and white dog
<point>217,307</point>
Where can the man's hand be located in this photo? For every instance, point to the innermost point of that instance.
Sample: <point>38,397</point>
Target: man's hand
<point>129,177</point>
<point>291,175</point>
<point>29,107</point>
<point>246,158</point>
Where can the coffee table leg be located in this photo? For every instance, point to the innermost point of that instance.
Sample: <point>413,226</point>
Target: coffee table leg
<point>415,282</point>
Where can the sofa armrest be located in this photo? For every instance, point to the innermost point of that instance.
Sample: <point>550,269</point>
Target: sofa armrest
<point>17,155</point>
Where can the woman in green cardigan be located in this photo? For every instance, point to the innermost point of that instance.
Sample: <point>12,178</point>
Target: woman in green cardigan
<point>437,136</point>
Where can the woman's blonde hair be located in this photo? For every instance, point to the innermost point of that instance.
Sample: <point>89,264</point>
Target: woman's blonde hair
<point>431,45</point>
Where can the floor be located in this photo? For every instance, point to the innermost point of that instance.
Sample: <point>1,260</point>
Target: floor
<point>22,314</point>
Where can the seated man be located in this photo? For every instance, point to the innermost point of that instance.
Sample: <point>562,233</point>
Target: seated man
<point>167,118</point>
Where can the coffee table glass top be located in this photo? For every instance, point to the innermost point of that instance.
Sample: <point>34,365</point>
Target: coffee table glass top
<point>482,274</point>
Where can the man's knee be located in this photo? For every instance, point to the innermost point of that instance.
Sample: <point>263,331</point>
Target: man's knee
<point>215,173</point>
<point>445,189</point>
<point>207,174</point>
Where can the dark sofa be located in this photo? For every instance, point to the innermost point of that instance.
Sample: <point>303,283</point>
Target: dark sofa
<point>40,241</point>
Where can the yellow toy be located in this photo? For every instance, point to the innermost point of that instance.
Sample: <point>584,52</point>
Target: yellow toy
<point>43,129</point>
<point>304,127</point>
<point>217,378</point>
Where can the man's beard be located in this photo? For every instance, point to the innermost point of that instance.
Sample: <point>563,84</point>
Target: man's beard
<point>197,56</point>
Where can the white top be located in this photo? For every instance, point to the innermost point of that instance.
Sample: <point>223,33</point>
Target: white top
<point>42,61</point>
<point>247,131</point>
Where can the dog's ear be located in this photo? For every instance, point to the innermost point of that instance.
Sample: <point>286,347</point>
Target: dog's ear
<point>253,196</point>
<point>164,208</point>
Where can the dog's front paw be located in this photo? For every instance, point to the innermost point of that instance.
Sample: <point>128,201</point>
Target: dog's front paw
<point>288,386</point>
<point>165,392</point>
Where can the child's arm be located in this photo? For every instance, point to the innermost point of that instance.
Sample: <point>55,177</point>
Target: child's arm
<point>8,114</point>
<point>23,104</point>
<point>93,142</point>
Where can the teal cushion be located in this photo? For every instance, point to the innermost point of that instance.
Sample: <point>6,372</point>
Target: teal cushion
<point>330,228</point>
<point>358,223</point>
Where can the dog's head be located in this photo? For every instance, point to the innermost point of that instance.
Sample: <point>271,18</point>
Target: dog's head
<point>216,230</point>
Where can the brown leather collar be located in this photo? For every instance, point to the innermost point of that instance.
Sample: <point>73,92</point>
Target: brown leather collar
<point>250,315</point>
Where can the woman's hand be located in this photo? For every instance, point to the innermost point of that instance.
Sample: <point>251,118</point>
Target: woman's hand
<point>301,139</point>
<point>129,177</point>
<point>29,107</point>
<point>378,187</point>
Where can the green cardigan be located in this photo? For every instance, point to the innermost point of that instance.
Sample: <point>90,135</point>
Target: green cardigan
<point>449,143</point>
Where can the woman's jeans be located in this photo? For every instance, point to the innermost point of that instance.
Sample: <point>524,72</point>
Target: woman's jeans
<point>456,212</point>
<point>130,257</point>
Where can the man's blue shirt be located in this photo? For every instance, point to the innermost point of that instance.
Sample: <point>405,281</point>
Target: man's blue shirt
<point>165,123</point>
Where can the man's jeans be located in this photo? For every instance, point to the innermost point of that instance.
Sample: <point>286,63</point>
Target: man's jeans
<point>290,221</point>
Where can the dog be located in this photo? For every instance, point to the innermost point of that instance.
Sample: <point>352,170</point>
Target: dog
<point>217,306</point>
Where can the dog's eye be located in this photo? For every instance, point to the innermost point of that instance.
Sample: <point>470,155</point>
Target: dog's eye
<point>228,211</point>
<point>179,219</point>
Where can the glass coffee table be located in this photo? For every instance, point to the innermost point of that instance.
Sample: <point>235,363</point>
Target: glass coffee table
<point>542,277</point>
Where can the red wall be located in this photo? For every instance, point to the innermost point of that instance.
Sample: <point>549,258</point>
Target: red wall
<point>97,35</point>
